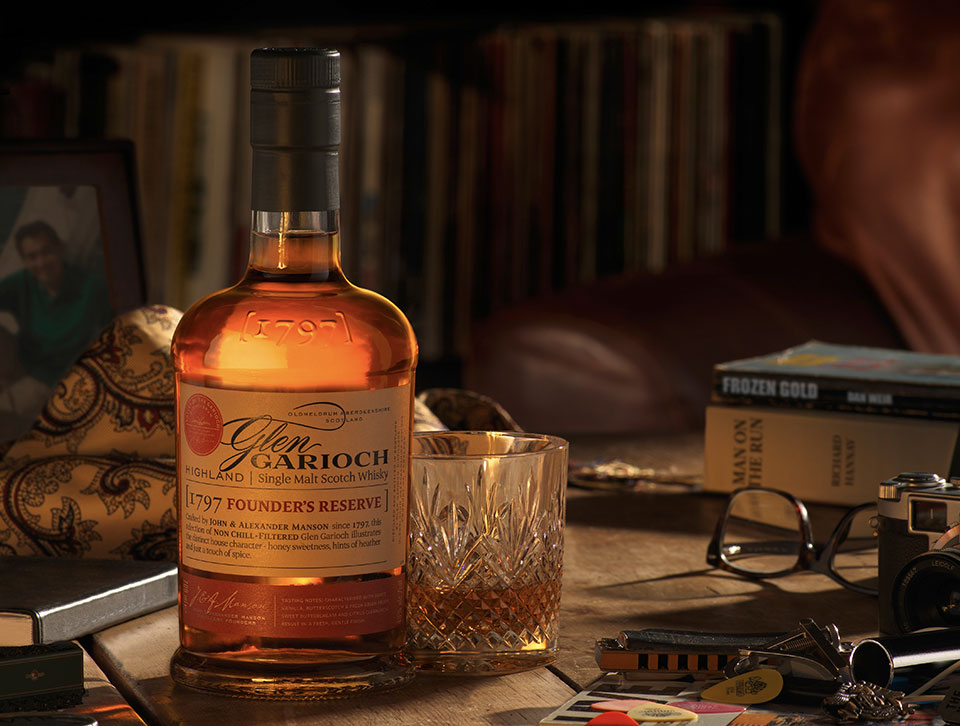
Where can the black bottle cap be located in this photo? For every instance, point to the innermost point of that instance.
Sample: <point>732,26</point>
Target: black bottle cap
<point>295,129</point>
<point>293,69</point>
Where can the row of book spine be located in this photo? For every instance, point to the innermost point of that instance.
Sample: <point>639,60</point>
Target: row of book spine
<point>479,170</point>
<point>830,422</point>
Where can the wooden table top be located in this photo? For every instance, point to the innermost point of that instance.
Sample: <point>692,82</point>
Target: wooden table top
<point>631,560</point>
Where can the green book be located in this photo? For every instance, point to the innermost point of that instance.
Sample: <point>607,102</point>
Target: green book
<point>41,677</point>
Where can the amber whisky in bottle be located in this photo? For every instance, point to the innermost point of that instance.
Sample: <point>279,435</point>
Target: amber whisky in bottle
<point>294,409</point>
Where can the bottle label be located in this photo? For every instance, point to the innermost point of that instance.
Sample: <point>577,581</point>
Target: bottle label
<point>299,485</point>
<point>325,610</point>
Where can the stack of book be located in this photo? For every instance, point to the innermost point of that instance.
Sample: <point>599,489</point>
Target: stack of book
<point>479,168</point>
<point>46,603</point>
<point>830,422</point>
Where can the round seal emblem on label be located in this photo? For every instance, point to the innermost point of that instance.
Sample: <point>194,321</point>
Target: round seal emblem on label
<point>202,424</point>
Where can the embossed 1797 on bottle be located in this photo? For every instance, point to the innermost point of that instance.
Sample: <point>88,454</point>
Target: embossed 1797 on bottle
<point>294,397</point>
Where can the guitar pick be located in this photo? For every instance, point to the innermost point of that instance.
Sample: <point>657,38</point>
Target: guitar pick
<point>622,704</point>
<point>759,686</point>
<point>660,712</point>
<point>612,718</point>
<point>708,707</point>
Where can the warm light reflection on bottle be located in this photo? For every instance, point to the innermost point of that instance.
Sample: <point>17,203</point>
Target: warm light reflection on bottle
<point>235,351</point>
<point>249,359</point>
<point>303,580</point>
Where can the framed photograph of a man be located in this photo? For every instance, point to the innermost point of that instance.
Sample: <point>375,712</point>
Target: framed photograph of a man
<point>70,261</point>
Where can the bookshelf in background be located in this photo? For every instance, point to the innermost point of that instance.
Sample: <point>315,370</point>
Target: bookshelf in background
<point>480,168</point>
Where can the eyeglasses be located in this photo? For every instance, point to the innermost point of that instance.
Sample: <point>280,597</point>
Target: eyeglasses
<point>767,533</point>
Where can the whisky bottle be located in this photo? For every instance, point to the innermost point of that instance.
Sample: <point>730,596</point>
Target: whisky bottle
<point>294,418</point>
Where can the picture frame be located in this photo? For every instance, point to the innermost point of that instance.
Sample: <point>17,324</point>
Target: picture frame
<point>70,262</point>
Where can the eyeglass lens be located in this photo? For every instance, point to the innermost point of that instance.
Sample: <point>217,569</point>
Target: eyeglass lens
<point>855,558</point>
<point>762,533</point>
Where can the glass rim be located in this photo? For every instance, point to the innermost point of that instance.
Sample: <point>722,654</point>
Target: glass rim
<point>554,444</point>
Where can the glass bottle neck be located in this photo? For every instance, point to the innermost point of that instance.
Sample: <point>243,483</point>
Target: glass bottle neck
<point>295,246</point>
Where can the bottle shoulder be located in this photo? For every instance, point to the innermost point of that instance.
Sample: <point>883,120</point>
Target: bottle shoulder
<point>299,302</point>
<point>294,326</point>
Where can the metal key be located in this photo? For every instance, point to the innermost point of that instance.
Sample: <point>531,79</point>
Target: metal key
<point>828,646</point>
<point>810,652</point>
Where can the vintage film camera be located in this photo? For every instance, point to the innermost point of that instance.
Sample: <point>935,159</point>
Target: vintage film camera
<point>918,527</point>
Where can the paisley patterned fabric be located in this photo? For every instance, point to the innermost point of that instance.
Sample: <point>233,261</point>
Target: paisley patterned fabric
<point>96,474</point>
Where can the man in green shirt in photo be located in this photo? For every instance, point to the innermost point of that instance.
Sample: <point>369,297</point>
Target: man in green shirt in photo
<point>59,309</point>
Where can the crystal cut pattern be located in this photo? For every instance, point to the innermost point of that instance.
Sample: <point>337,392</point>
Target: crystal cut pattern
<point>486,559</point>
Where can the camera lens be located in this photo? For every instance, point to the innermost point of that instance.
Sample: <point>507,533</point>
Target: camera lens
<point>926,592</point>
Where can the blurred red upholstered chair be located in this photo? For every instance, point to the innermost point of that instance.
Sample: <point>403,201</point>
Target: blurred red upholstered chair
<point>634,354</point>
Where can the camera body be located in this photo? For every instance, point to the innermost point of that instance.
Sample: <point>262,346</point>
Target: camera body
<point>918,559</point>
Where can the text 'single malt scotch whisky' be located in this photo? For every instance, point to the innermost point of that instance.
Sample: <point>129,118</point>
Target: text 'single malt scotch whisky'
<point>294,397</point>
